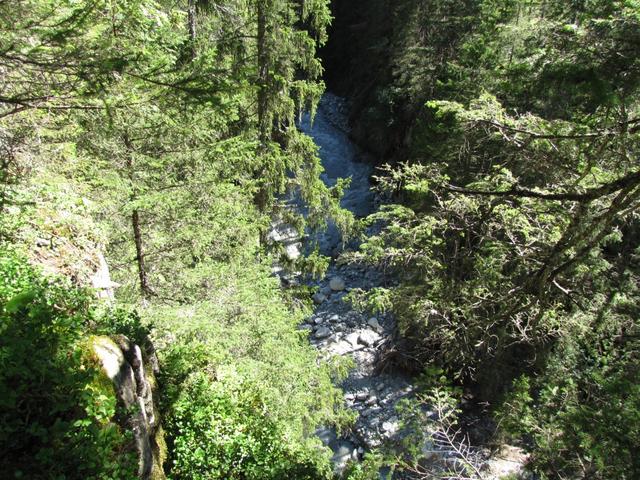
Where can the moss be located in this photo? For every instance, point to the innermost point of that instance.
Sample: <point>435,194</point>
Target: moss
<point>160,452</point>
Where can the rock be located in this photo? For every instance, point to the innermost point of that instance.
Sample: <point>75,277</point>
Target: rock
<point>43,242</point>
<point>334,318</point>
<point>507,461</point>
<point>391,426</point>
<point>352,338</point>
<point>340,348</point>
<point>354,455</point>
<point>372,411</point>
<point>373,323</point>
<point>318,298</point>
<point>337,284</point>
<point>322,332</point>
<point>101,280</point>
<point>372,400</point>
<point>368,338</point>
<point>342,450</point>
<point>361,396</point>
<point>123,363</point>
<point>317,320</point>
<point>293,251</point>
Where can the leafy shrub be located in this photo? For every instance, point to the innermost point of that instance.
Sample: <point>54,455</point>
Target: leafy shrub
<point>242,389</point>
<point>220,431</point>
<point>55,404</point>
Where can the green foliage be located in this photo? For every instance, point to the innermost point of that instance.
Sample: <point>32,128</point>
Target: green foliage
<point>582,414</point>
<point>165,135</point>
<point>245,340</point>
<point>220,431</point>
<point>513,223</point>
<point>57,410</point>
<point>367,469</point>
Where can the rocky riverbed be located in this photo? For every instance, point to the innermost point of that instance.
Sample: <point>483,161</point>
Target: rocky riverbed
<point>335,328</point>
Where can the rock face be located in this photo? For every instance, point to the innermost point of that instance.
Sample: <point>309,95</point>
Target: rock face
<point>318,298</point>
<point>101,279</point>
<point>133,378</point>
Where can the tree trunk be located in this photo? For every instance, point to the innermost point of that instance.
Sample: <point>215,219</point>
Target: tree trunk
<point>191,18</point>
<point>263,75</point>
<point>135,223</point>
<point>142,271</point>
<point>261,198</point>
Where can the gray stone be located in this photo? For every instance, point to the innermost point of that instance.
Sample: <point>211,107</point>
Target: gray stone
<point>373,323</point>
<point>122,362</point>
<point>293,251</point>
<point>322,332</point>
<point>362,396</point>
<point>352,338</point>
<point>340,348</point>
<point>318,298</point>
<point>337,284</point>
<point>341,454</point>
<point>368,338</point>
<point>391,426</point>
<point>101,280</point>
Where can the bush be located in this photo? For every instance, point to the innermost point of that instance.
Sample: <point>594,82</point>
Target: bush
<point>220,431</point>
<point>56,405</point>
<point>242,389</point>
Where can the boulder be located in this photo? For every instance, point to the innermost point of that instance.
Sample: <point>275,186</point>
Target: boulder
<point>293,251</point>
<point>322,332</point>
<point>362,396</point>
<point>101,280</point>
<point>318,298</point>
<point>352,338</point>
<point>340,348</point>
<point>368,338</point>
<point>337,284</point>
<point>391,426</point>
<point>123,362</point>
<point>373,323</point>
